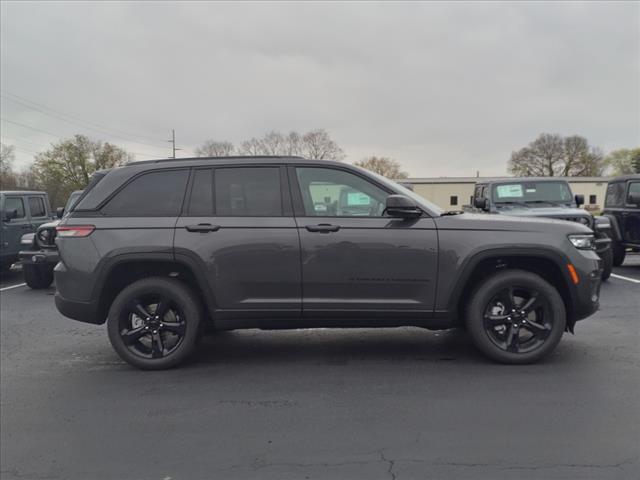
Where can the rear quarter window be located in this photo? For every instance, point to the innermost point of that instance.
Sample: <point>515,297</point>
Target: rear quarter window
<point>153,194</point>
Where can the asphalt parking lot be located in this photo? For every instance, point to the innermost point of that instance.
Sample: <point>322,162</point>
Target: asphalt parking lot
<point>371,404</point>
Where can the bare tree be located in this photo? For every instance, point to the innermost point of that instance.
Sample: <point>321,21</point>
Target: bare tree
<point>212,148</point>
<point>551,155</point>
<point>387,167</point>
<point>315,144</point>
<point>318,145</point>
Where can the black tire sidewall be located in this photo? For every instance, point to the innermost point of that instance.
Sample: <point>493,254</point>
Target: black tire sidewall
<point>607,263</point>
<point>619,253</point>
<point>483,294</point>
<point>184,298</point>
<point>37,277</point>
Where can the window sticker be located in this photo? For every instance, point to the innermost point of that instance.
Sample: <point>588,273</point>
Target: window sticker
<point>509,191</point>
<point>357,198</point>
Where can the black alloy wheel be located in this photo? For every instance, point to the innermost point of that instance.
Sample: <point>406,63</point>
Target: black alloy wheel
<point>154,323</point>
<point>516,317</point>
<point>153,326</point>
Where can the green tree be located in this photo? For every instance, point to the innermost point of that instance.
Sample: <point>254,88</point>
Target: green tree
<point>8,178</point>
<point>623,161</point>
<point>387,167</point>
<point>68,165</point>
<point>554,155</point>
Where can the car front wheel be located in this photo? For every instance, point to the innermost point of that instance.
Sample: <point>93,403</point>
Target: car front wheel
<point>619,253</point>
<point>154,323</point>
<point>607,263</point>
<point>516,317</point>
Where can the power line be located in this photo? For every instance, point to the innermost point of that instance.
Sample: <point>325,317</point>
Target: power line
<point>58,136</point>
<point>77,120</point>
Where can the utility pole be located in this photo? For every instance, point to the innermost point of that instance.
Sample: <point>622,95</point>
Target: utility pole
<point>173,143</point>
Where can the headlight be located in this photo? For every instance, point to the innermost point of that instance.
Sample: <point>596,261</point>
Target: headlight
<point>27,239</point>
<point>582,241</point>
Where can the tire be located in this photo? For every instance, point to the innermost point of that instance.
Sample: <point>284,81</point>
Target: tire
<point>607,264</point>
<point>38,276</point>
<point>490,320</point>
<point>155,342</point>
<point>619,253</point>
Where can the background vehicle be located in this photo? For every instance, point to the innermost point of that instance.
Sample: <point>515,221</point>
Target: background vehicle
<point>622,209</point>
<point>544,197</point>
<point>40,253</point>
<point>21,212</point>
<point>161,248</point>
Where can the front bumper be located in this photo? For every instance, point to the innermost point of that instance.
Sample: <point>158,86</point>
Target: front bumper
<point>39,257</point>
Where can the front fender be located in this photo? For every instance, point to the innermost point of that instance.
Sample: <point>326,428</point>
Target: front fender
<point>616,234</point>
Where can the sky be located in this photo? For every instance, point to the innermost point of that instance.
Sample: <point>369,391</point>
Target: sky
<point>447,89</point>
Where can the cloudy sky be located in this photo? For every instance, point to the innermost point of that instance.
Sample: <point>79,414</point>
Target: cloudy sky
<point>445,88</point>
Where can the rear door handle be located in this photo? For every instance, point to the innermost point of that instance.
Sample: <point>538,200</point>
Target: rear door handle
<point>323,228</point>
<point>202,228</point>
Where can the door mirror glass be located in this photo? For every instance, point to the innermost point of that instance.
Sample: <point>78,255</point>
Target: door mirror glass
<point>9,215</point>
<point>401,206</point>
<point>59,212</point>
<point>480,202</point>
<point>579,200</point>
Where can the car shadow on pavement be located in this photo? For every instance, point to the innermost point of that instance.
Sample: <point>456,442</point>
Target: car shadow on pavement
<point>336,347</point>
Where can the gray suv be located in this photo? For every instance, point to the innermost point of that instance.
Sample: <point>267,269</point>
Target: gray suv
<point>162,249</point>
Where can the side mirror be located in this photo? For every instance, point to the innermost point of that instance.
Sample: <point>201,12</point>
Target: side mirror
<point>579,200</point>
<point>401,206</point>
<point>9,215</point>
<point>480,202</point>
<point>634,199</point>
<point>59,212</point>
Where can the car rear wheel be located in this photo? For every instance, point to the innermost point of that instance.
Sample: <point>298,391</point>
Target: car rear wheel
<point>619,253</point>
<point>516,317</point>
<point>38,276</point>
<point>154,323</point>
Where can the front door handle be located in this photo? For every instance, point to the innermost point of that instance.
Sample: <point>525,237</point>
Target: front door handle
<point>323,228</point>
<point>202,228</point>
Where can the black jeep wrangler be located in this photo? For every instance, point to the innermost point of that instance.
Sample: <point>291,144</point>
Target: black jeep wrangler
<point>622,209</point>
<point>40,253</point>
<point>544,197</point>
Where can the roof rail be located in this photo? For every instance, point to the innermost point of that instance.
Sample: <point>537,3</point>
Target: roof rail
<point>229,157</point>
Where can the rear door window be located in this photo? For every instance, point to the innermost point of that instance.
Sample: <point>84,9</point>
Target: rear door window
<point>248,192</point>
<point>154,194</point>
<point>201,200</point>
<point>36,207</point>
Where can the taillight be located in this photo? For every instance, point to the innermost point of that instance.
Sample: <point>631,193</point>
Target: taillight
<point>76,231</point>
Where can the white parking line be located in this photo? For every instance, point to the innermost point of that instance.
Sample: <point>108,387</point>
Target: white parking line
<point>628,279</point>
<point>23,284</point>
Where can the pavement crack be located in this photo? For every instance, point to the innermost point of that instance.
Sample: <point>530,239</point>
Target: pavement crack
<point>390,462</point>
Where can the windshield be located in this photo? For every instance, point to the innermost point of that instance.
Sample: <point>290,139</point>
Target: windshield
<point>532,192</point>
<point>429,206</point>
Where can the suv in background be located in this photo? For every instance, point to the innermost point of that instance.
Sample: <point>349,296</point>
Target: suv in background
<point>21,212</point>
<point>544,197</point>
<point>622,209</point>
<point>40,253</point>
<point>160,249</point>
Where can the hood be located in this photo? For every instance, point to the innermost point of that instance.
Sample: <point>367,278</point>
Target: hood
<point>539,211</point>
<point>52,224</point>
<point>484,221</point>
